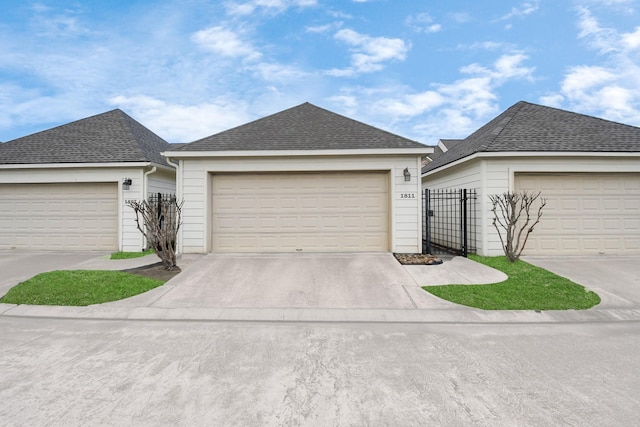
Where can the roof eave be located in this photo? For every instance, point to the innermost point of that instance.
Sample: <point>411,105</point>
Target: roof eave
<point>299,153</point>
<point>82,165</point>
<point>503,154</point>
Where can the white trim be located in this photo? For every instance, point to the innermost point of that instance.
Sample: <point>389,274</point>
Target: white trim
<point>303,153</point>
<point>504,154</point>
<point>83,165</point>
<point>419,206</point>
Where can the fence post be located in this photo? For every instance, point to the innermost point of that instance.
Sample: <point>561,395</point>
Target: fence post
<point>426,246</point>
<point>463,217</point>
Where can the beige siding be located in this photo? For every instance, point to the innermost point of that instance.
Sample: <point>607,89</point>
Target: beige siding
<point>313,212</point>
<point>161,182</point>
<point>586,213</point>
<point>194,189</point>
<point>128,237</point>
<point>501,172</point>
<point>70,216</point>
<point>497,175</point>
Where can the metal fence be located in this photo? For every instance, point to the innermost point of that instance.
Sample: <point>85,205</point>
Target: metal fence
<point>449,221</point>
<point>164,205</point>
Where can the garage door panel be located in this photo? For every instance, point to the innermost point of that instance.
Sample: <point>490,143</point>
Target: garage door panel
<point>333,211</point>
<point>585,213</point>
<point>68,216</point>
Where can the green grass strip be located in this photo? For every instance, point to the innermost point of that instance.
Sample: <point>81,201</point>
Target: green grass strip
<point>78,288</point>
<point>129,255</point>
<point>527,288</point>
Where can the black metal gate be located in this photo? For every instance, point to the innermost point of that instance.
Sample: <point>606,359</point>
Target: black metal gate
<point>449,221</point>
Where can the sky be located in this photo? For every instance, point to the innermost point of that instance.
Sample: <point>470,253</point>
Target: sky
<point>425,70</point>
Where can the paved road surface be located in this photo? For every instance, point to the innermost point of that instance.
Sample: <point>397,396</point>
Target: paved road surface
<point>113,372</point>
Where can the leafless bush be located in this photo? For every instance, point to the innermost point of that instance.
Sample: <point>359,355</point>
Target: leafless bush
<point>512,219</point>
<point>159,221</point>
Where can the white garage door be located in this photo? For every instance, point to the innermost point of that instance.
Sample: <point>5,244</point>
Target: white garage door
<point>586,213</point>
<point>70,216</point>
<point>315,212</point>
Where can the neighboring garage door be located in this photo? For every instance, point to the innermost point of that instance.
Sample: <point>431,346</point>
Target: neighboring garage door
<point>311,212</point>
<point>586,213</point>
<point>70,216</point>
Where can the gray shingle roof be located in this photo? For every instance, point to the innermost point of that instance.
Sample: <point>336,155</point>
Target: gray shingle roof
<point>111,137</point>
<point>305,127</point>
<point>530,127</point>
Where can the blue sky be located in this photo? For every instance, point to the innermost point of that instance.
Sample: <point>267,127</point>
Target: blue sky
<point>425,70</point>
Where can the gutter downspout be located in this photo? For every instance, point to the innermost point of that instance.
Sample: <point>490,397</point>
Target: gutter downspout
<point>145,183</point>
<point>145,186</point>
<point>168,160</point>
<point>178,195</point>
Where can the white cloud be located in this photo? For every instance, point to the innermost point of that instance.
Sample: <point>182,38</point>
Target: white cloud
<point>460,17</point>
<point>507,66</point>
<point>524,9</point>
<point>279,73</point>
<point>609,90</point>
<point>270,6</point>
<point>184,123</point>
<point>488,45</point>
<point>411,104</point>
<point>631,41</point>
<point>323,28</point>
<point>369,53</point>
<point>21,106</point>
<point>66,23</point>
<point>583,78</point>
<point>225,42</point>
<point>445,110</point>
<point>553,100</point>
<point>423,23</point>
<point>603,39</point>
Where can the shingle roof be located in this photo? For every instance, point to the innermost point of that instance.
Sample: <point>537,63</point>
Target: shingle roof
<point>111,137</point>
<point>530,127</point>
<point>304,127</point>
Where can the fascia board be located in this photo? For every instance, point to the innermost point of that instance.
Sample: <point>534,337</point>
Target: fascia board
<point>79,165</point>
<point>298,153</point>
<point>505,154</point>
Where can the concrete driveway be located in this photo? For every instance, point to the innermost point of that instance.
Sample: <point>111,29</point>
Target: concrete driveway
<point>318,281</point>
<point>615,278</point>
<point>291,281</point>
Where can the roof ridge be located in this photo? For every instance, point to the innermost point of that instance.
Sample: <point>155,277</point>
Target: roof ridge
<point>360,122</point>
<point>63,124</point>
<point>514,110</point>
<point>126,122</point>
<point>302,127</point>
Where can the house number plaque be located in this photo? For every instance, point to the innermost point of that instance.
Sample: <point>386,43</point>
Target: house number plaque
<point>408,195</point>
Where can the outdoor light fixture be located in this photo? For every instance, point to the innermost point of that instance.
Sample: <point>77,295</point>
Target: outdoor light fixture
<point>126,183</point>
<point>407,175</point>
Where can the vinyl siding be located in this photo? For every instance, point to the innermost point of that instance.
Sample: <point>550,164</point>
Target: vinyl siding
<point>129,238</point>
<point>194,189</point>
<point>496,175</point>
<point>161,182</point>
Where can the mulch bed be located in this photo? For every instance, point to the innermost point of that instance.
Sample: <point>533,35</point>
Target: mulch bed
<point>417,259</point>
<point>155,271</point>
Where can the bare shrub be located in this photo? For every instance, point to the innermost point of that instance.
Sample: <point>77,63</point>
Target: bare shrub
<point>159,221</point>
<point>513,220</point>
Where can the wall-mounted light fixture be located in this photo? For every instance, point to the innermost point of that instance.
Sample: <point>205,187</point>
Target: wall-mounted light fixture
<point>407,175</point>
<point>126,183</point>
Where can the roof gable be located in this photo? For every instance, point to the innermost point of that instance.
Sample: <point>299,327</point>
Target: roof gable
<point>111,137</point>
<point>305,127</point>
<point>531,127</point>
